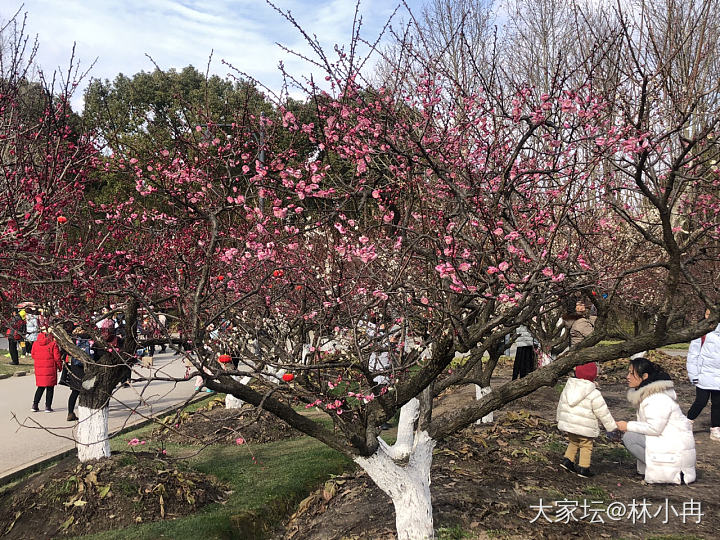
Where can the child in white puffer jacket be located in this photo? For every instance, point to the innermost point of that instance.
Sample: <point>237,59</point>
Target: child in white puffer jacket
<point>581,405</point>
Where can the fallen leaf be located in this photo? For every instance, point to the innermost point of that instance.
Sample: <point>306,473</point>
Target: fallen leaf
<point>69,521</point>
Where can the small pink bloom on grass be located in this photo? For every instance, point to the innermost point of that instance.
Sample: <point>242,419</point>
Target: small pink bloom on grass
<point>239,441</point>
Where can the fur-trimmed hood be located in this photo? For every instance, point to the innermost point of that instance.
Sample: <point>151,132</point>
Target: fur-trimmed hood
<point>636,395</point>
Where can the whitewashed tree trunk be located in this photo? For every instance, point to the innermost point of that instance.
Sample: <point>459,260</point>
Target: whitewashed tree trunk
<point>231,402</point>
<point>481,392</point>
<point>406,430</point>
<point>92,434</point>
<point>407,485</point>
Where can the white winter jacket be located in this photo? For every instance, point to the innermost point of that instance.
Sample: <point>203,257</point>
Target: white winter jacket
<point>524,337</point>
<point>703,361</point>
<point>669,441</point>
<point>581,405</point>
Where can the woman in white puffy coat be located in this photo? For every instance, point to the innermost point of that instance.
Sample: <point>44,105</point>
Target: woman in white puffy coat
<point>703,366</point>
<point>661,438</point>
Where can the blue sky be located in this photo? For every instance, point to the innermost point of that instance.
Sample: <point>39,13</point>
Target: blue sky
<point>180,32</point>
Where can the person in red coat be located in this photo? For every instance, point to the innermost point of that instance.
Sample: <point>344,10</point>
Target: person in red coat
<point>46,358</point>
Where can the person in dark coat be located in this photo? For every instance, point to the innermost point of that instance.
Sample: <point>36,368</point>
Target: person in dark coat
<point>46,359</point>
<point>14,336</point>
<point>76,371</point>
<point>524,354</point>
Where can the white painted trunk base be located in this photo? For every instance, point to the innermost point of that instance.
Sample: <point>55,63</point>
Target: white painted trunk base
<point>406,430</point>
<point>480,392</point>
<point>407,485</point>
<point>231,402</point>
<point>92,434</point>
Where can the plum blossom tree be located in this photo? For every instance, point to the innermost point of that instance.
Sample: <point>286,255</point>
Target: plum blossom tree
<point>421,227</point>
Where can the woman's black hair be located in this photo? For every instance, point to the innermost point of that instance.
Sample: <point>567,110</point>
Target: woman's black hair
<point>641,366</point>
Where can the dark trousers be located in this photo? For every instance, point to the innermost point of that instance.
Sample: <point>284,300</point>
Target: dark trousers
<point>524,362</point>
<point>701,398</point>
<point>48,396</point>
<point>28,346</point>
<point>72,400</point>
<point>12,346</point>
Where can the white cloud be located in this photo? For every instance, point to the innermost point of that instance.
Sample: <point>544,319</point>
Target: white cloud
<point>176,33</point>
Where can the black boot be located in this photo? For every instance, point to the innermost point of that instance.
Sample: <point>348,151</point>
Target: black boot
<point>567,465</point>
<point>584,472</point>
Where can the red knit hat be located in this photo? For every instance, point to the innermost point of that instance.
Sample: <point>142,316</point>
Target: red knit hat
<point>587,371</point>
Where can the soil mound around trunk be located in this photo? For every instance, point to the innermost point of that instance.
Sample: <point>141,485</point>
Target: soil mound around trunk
<point>215,424</point>
<point>72,499</point>
<point>504,480</point>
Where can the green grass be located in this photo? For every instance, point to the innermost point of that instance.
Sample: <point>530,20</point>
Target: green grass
<point>26,364</point>
<point>675,346</point>
<point>596,492</point>
<point>497,533</point>
<point>614,454</point>
<point>452,532</point>
<point>678,346</point>
<point>675,537</point>
<point>264,490</point>
<point>556,446</point>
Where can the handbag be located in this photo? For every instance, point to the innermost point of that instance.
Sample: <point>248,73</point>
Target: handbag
<point>64,376</point>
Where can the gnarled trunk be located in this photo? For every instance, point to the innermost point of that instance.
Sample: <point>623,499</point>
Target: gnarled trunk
<point>231,402</point>
<point>481,392</point>
<point>407,485</point>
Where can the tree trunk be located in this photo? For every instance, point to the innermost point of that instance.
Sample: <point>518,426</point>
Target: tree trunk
<point>92,433</point>
<point>481,392</point>
<point>99,381</point>
<point>407,485</point>
<point>231,402</point>
<point>406,431</point>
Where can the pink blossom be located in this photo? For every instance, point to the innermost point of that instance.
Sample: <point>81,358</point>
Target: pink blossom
<point>547,271</point>
<point>239,441</point>
<point>503,266</point>
<point>445,269</point>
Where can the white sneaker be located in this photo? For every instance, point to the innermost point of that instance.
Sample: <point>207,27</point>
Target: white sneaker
<point>715,433</point>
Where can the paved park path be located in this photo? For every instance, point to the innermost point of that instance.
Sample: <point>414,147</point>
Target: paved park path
<point>27,437</point>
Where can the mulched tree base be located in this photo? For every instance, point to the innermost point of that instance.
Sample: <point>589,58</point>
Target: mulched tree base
<point>487,481</point>
<point>215,424</point>
<point>72,499</point>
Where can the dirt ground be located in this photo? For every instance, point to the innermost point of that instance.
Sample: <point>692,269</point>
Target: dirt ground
<point>489,481</point>
<point>217,425</point>
<point>72,499</point>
